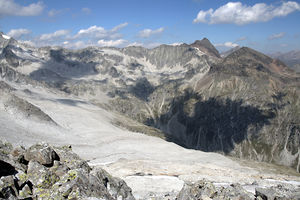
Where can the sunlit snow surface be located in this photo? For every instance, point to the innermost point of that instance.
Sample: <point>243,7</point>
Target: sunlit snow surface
<point>90,131</point>
<point>5,37</point>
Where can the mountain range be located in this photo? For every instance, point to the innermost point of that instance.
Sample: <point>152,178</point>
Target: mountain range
<point>291,58</point>
<point>244,104</point>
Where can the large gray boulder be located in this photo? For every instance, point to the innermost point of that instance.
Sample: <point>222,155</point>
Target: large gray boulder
<point>116,187</point>
<point>42,153</point>
<point>199,190</point>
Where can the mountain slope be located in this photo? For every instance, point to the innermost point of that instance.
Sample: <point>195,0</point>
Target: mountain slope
<point>245,105</point>
<point>292,59</point>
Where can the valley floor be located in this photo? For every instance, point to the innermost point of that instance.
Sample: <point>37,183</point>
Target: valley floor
<point>149,165</point>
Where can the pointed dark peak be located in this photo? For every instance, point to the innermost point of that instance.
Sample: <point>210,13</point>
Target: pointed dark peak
<point>207,47</point>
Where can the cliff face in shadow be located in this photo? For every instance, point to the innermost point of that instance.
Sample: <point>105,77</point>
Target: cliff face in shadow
<point>214,125</point>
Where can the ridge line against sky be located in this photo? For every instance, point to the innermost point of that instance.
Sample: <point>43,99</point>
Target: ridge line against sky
<point>268,26</point>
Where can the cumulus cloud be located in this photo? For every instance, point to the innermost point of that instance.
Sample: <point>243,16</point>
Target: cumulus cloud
<point>148,32</point>
<point>10,8</point>
<point>98,32</point>
<point>86,11</point>
<point>17,33</point>
<point>93,31</point>
<point>277,36</point>
<point>92,36</point>
<point>227,44</point>
<point>55,35</point>
<point>111,43</point>
<point>240,14</point>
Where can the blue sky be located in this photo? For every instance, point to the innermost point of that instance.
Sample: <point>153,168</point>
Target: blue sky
<point>268,26</point>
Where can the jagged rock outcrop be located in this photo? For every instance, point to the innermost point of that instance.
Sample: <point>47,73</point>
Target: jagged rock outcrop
<point>206,190</point>
<point>46,172</point>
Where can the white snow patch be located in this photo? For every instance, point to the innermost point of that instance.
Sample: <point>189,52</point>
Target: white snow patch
<point>176,44</point>
<point>5,37</point>
<point>143,186</point>
<point>292,182</point>
<point>199,52</point>
<point>27,69</point>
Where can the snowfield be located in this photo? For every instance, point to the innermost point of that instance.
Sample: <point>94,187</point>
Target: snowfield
<point>149,165</point>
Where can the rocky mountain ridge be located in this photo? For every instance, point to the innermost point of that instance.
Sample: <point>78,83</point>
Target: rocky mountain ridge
<point>292,59</point>
<point>244,105</point>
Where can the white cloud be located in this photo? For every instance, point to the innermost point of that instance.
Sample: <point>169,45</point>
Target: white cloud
<point>148,32</point>
<point>237,13</point>
<point>277,36</point>
<point>54,12</point>
<point>86,11</point>
<point>118,27</point>
<point>98,32</point>
<point>10,8</point>
<point>55,35</point>
<point>136,44</point>
<point>93,31</point>
<point>92,36</point>
<point>227,44</point>
<point>111,43</point>
<point>17,33</point>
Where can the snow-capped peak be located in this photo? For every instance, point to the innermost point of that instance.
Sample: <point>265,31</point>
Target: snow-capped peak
<point>5,37</point>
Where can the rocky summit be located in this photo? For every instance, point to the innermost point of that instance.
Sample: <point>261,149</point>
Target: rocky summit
<point>25,175</point>
<point>46,172</point>
<point>162,119</point>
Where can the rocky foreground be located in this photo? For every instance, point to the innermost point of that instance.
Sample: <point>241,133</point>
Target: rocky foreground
<point>46,172</point>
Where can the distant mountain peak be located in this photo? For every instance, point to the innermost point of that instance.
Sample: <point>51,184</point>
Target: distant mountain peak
<point>250,54</point>
<point>6,37</point>
<point>246,57</point>
<point>207,47</point>
<point>226,53</point>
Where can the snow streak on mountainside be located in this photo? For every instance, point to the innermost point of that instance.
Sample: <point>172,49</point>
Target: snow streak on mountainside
<point>245,104</point>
